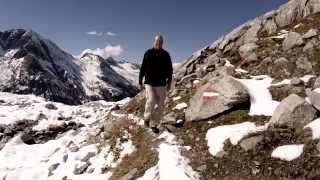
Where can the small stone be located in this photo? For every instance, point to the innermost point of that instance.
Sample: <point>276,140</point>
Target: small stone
<point>202,168</point>
<point>281,61</point>
<point>116,107</point>
<point>65,158</point>
<point>296,81</point>
<point>311,33</point>
<point>250,143</point>
<point>80,168</point>
<point>52,168</point>
<point>216,165</point>
<point>51,106</point>
<point>170,127</point>
<point>88,156</point>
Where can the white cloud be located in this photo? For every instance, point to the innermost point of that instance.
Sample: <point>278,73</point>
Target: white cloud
<point>105,52</point>
<point>109,33</point>
<point>95,33</point>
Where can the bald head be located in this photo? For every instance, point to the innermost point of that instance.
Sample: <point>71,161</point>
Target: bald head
<point>158,41</point>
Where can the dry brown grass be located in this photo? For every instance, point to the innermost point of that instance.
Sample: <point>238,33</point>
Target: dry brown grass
<point>145,155</point>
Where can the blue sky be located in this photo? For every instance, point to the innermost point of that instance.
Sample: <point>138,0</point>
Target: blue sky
<point>127,26</point>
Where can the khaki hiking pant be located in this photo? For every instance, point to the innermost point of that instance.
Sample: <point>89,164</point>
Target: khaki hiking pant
<point>155,96</point>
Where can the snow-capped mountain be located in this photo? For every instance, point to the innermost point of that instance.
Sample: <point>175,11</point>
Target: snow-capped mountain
<point>31,64</point>
<point>99,74</point>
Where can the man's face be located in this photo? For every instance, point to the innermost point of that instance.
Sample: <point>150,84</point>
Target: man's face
<point>158,42</point>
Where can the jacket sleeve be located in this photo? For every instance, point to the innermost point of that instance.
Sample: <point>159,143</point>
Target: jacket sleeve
<point>170,70</point>
<point>143,68</point>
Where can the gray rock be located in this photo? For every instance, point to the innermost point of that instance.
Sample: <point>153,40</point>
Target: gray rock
<point>293,39</point>
<point>52,168</point>
<point>281,61</point>
<point>236,33</point>
<point>296,81</point>
<point>251,36</point>
<point>202,168</point>
<point>311,7</point>
<point>247,49</point>
<point>170,127</point>
<point>311,33</point>
<point>290,12</point>
<point>251,142</point>
<point>310,46</point>
<point>80,168</point>
<point>51,106</point>
<point>317,83</point>
<point>270,26</point>
<point>314,98</point>
<point>304,64</point>
<point>227,93</point>
<point>169,118</point>
<point>88,156</point>
<point>293,109</point>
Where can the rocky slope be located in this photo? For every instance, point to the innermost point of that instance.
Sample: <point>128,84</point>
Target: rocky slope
<point>247,105</point>
<point>32,64</point>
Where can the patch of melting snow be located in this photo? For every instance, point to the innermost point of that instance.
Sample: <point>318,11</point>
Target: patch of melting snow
<point>196,81</point>
<point>210,94</point>
<point>260,96</point>
<point>171,164</point>
<point>305,79</point>
<point>228,64</point>
<point>288,152</point>
<point>315,127</point>
<point>281,36</point>
<point>176,98</point>
<point>70,155</point>
<point>239,70</point>
<point>181,106</point>
<point>29,107</point>
<point>217,136</point>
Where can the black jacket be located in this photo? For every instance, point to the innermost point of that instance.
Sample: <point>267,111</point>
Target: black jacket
<point>156,68</point>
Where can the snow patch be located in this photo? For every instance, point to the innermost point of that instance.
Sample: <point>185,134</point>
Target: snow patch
<point>181,106</point>
<point>128,71</point>
<point>239,70</point>
<point>217,136</point>
<point>68,153</point>
<point>176,98</point>
<point>288,152</point>
<point>307,78</point>
<point>228,64</point>
<point>171,164</point>
<point>315,127</point>
<point>260,96</point>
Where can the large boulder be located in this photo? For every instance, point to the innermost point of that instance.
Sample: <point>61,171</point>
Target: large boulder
<point>292,110</point>
<point>247,50</point>
<point>293,39</point>
<point>311,33</point>
<point>314,98</point>
<point>215,97</point>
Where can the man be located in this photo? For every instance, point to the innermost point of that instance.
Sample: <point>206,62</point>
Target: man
<point>156,69</point>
